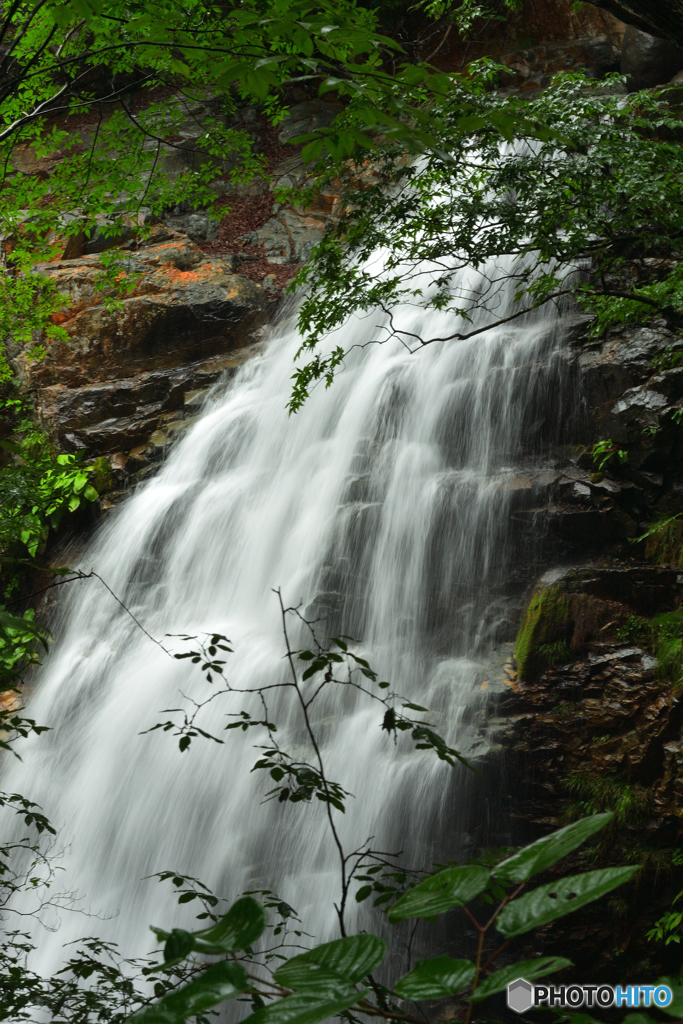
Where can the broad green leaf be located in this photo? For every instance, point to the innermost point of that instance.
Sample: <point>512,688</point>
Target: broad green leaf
<point>14,622</point>
<point>304,975</point>
<point>675,1007</point>
<point>303,1008</point>
<point>221,981</point>
<point>436,978</point>
<point>179,944</point>
<point>441,892</point>
<point>239,928</point>
<point>547,851</point>
<point>527,969</point>
<point>352,958</point>
<point>549,902</point>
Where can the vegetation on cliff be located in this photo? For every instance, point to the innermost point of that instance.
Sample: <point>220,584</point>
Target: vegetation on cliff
<point>177,983</point>
<point>595,206</point>
<point>605,220</point>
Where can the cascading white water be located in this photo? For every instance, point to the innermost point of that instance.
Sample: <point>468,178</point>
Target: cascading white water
<point>384,505</point>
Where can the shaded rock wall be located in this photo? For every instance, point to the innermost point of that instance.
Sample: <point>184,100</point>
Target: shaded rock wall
<point>594,719</point>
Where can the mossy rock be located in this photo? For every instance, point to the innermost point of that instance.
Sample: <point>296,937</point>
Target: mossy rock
<point>542,638</point>
<point>557,626</point>
<point>102,477</point>
<point>665,545</point>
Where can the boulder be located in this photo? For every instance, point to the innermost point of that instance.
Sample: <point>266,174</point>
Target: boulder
<point>198,225</point>
<point>648,60</point>
<point>181,307</point>
<point>570,610</point>
<point>290,236</point>
<point>120,415</point>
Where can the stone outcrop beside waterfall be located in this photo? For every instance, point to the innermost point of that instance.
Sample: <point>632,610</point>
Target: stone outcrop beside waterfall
<point>131,370</point>
<point>601,728</point>
<point>594,714</point>
<point>183,306</point>
<point>630,390</point>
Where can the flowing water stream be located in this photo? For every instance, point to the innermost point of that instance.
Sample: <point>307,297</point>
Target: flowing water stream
<point>385,506</point>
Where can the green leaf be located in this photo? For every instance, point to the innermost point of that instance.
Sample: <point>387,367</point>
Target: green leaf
<point>303,1008</point>
<point>179,944</point>
<point>527,969</point>
<point>305,975</point>
<point>352,958</point>
<point>224,980</point>
<point>548,850</point>
<point>239,928</point>
<point>549,902</point>
<point>436,978</point>
<point>675,1007</point>
<point>14,622</point>
<point>441,892</point>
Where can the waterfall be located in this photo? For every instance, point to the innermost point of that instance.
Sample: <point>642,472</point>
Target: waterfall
<point>383,506</point>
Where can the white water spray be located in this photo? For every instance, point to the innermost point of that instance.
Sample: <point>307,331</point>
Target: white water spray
<point>384,505</point>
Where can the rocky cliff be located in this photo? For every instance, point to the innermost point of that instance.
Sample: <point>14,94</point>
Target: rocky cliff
<point>593,710</point>
<point>591,717</point>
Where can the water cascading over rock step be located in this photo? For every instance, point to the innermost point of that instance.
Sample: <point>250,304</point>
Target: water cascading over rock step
<point>385,506</point>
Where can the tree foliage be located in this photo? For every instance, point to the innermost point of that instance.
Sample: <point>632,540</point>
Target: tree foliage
<point>238,953</point>
<point>590,215</point>
<point>329,979</point>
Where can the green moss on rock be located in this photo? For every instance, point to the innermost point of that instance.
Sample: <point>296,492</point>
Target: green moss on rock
<point>559,624</point>
<point>102,477</point>
<point>542,640</point>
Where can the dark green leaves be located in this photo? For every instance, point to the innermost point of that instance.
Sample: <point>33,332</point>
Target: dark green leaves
<point>436,978</point>
<point>307,976</point>
<point>352,958</point>
<point>178,945</point>
<point>675,1007</point>
<point>303,1008</point>
<point>529,969</point>
<point>549,850</point>
<point>441,892</point>
<point>221,981</point>
<point>238,929</point>
<point>323,980</point>
<point>549,902</point>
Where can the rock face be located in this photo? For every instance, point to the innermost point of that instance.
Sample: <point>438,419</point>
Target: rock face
<point>627,391</point>
<point>594,719</point>
<point>119,415</point>
<point>180,307</point>
<point>135,360</point>
<point>647,60</point>
<point>595,724</point>
<point>532,67</point>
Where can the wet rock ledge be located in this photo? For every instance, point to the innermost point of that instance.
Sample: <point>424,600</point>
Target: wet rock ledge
<point>131,371</point>
<point>595,722</point>
<point>594,711</point>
